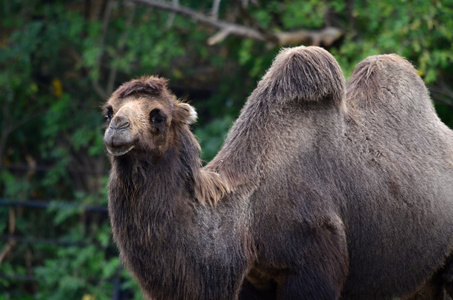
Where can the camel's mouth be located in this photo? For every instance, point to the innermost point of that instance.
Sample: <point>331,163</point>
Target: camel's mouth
<point>118,151</point>
<point>119,141</point>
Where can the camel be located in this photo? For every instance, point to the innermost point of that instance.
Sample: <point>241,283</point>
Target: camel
<point>321,190</point>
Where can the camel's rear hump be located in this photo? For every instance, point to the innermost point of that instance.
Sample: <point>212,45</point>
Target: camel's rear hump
<point>405,155</point>
<point>387,96</point>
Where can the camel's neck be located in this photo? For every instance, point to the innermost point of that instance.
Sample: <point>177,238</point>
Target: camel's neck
<point>142,180</point>
<point>162,186</point>
<point>164,234</point>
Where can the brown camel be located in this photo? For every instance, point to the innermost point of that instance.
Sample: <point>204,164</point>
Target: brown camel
<point>321,190</point>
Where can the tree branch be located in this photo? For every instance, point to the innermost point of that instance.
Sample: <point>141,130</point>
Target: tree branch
<point>215,9</point>
<point>172,16</point>
<point>326,36</point>
<point>244,13</point>
<point>197,17</point>
<point>12,228</point>
<point>119,51</point>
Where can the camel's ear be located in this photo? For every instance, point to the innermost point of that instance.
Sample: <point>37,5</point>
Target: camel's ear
<point>185,113</point>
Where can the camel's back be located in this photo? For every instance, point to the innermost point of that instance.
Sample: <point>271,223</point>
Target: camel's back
<point>404,154</point>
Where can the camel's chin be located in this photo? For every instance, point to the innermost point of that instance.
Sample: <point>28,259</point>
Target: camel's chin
<point>118,151</point>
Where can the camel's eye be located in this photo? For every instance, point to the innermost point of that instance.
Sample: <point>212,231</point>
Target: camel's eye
<point>109,113</point>
<point>157,117</point>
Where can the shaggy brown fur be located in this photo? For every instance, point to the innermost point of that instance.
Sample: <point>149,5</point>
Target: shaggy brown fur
<point>319,192</point>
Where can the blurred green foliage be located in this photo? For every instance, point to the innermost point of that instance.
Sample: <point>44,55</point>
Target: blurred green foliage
<point>59,60</point>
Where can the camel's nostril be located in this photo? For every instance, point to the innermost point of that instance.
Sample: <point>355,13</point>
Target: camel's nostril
<point>120,122</point>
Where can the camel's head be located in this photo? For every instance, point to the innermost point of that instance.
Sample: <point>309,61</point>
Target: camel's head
<point>141,117</point>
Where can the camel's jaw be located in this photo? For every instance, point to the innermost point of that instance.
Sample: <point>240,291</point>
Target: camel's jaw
<point>118,151</point>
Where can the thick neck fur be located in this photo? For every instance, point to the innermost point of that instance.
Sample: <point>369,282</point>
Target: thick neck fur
<point>154,208</point>
<point>145,194</point>
<point>148,195</point>
<point>176,176</point>
<point>149,203</point>
<point>139,180</point>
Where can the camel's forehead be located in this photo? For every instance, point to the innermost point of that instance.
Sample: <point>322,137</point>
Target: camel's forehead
<point>141,102</point>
